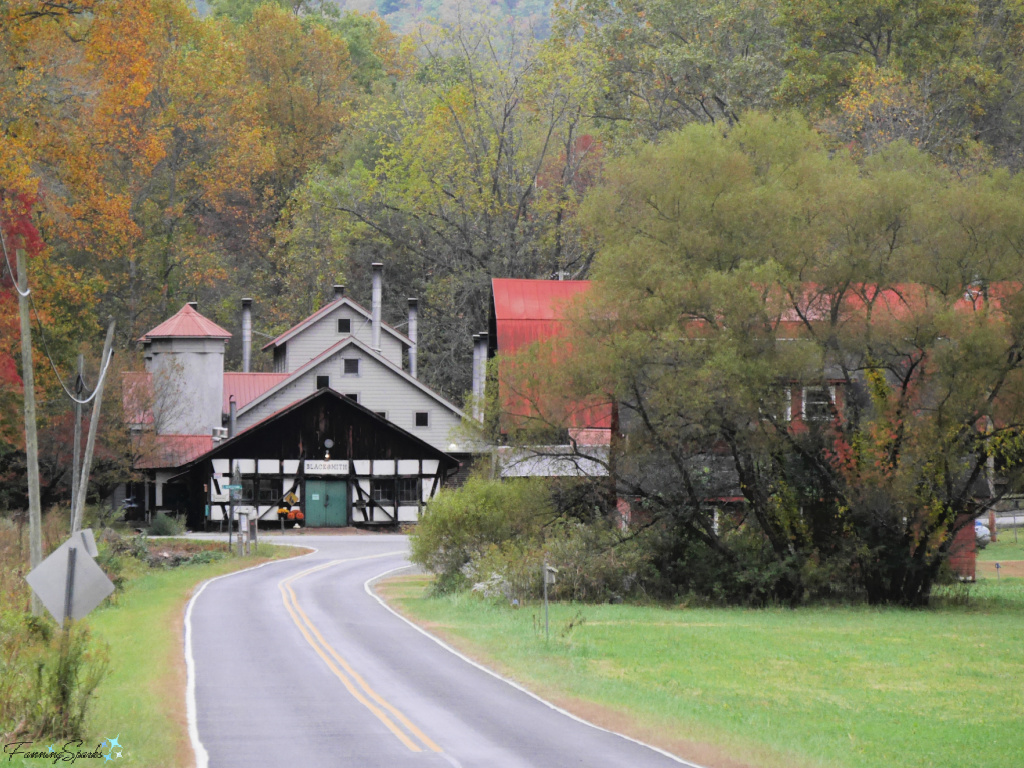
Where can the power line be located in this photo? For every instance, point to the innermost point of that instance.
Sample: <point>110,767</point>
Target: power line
<point>14,277</point>
<point>42,335</point>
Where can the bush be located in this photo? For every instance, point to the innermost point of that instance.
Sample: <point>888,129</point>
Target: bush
<point>594,565</point>
<point>460,524</point>
<point>47,678</point>
<point>165,525</point>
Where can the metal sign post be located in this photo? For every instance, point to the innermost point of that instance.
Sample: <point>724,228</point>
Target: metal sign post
<point>242,531</point>
<point>549,578</point>
<point>69,587</point>
<point>236,495</point>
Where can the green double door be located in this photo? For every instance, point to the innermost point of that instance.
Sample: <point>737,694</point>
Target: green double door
<point>326,503</point>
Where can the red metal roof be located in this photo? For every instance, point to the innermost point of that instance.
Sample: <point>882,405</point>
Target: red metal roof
<point>531,310</point>
<point>187,323</point>
<point>526,311</point>
<point>246,387</point>
<point>174,450</point>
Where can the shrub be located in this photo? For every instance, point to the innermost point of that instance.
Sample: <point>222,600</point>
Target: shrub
<point>47,678</point>
<point>460,524</point>
<point>511,571</point>
<point>594,564</point>
<point>165,525</point>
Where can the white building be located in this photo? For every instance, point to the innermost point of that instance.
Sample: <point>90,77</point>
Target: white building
<point>343,420</point>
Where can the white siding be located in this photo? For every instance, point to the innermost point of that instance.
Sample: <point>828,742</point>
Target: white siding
<point>379,389</point>
<point>323,334</point>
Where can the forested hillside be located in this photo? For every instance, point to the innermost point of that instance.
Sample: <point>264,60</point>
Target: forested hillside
<point>152,154</point>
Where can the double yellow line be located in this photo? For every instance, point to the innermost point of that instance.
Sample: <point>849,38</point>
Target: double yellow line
<point>395,721</point>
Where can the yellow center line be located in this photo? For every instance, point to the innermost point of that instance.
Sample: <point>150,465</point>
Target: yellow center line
<point>352,681</point>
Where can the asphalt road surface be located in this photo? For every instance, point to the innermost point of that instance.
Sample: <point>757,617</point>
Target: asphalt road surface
<point>296,664</point>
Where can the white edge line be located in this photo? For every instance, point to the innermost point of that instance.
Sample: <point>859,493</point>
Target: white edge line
<point>517,686</point>
<point>202,757</point>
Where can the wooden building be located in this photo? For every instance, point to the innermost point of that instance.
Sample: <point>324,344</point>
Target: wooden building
<point>341,375</point>
<point>348,465</point>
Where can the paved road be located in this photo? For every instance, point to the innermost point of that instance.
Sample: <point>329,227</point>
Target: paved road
<point>295,664</point>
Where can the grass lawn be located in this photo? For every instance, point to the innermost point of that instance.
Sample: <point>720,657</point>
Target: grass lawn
<point>142,700</point>
<point>855,687</point>
<point>1005,549</point>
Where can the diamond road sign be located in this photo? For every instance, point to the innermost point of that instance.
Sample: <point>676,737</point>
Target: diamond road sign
<point>89,584</point>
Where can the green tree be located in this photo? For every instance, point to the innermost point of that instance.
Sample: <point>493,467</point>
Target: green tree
<point>470,168</point>
<point>665,63</point>
<point>949,71</point>
<point>745,273</point>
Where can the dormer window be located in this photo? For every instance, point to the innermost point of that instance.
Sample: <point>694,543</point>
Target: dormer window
<point>351,366</point>
<point>344,325</point>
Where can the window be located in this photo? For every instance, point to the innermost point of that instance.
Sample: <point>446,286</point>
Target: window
<point>779,406</point>
<point>322,382</point>
<point>409,490</point>
<point>353,396</point>
<point>818,403</point>
<point>422,419</point>
<point>383,491</point>
<point>247,490</point>
<point>351,366</point>
<point>270,491</point>
<point>344,325</point>
<point>382,414</point>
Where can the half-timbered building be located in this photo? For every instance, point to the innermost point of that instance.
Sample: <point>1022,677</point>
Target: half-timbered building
<point>343,422</point>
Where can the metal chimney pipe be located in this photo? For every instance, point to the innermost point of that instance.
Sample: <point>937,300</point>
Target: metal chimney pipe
<point>246,335</point>
<point>232,417</point>
<point>413,333</point>
<point>339,291</point>
<point>476,376</point>
<point>378,270</point>
<point>481,356</point>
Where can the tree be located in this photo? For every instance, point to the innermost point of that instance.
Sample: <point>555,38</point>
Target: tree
<point>949,69</point>
<point>745,273</point>
<point>665,63</point>
<point>470,168</point>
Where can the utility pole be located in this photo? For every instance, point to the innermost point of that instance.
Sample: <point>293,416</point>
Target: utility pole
<point>35,517</point>
<point>78,387</point>
<point>90,443</point>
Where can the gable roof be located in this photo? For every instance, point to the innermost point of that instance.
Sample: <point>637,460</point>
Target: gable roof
<point>246,387</point>
<point>186,323</point>
<point>331,352</point>
<point>137,393</point>
<point>345,402</point>
<point>326,310</point>
<point>174,450</point>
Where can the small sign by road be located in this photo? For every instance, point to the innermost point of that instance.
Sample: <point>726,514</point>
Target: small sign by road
<point>69,582</point>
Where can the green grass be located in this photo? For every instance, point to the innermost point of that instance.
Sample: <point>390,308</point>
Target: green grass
<point>143,697</point>
<point>855,687</point>
<point>1005,549</point>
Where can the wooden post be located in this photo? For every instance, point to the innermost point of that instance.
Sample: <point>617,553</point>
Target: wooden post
<point>90,443</point>
<point>76,461</point>
<point>35,517</point>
